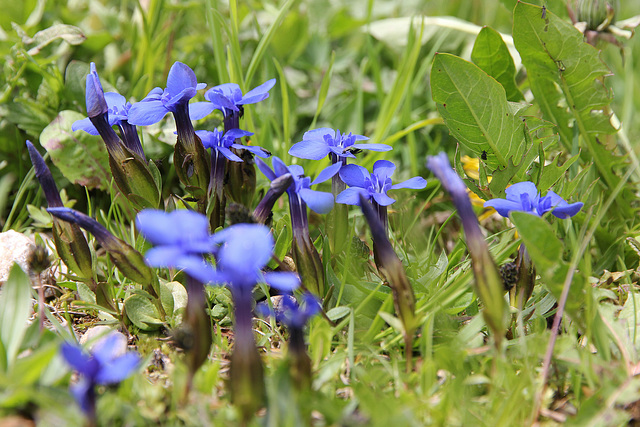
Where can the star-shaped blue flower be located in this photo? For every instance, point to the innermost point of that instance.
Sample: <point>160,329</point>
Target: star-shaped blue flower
<point>228,97</point>
<point>318,201</point>
<point>290,313</point>
<point>103,366</point>
<point>318,143</point>
<point>178,236</point>
<point>223,143</point>
<point>373,186</point>
<point>182,85</point>
<point>524,196</point>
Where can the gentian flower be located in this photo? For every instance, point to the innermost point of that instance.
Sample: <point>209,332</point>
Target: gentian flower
<point>305,255</point>
<point>223,142</point>
<point>524,196</point>
<point>192,166</point>
<point>264,211</point>
<point>70,243</point>
<point>294,316</point>
<point>103,366</point>
<point>126,160</point>
<point>374,186</point>
<point>318,143</point>
<point>182,85</point>
<point>176,235</point>
<point>340,147</point>
<point>228,97</point>
<point>118,115</point>
<point>489,284</point>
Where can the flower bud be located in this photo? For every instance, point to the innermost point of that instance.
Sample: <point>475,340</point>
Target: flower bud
<point>598,14</point>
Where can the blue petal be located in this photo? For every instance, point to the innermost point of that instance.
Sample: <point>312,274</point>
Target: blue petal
<point>516,190</point>
<point>106,348</point>
<point>560,208</point>
<point>373,147</point>
<point>354,176</point>
<point>318,134</point>
<point>351,196</point>
<point>310,149</point>
<point>327,173</point>
<point>81,362</point>
<point>382,199</point>
<point>228,154</point>
<point>383,169</point>
<point>258,151</point>
<point>280,168</point>
<point>568,210</point>
<point>318,201</point>
<point>180,77</point>
<point>257,94</point>
<point>209,139</point>
<point>199,110</point>
<point>201,270</point>
<point>118,369</point>
<point>439,165</point>
<point>237,133</point>
<point>147,113</point>
<point>248,248</point>
<point>266,170</point>
<point>172,228</point>
<point>164,256</point>
<point>417,183</point>
<point>220,102</point>
<point>285,282</point>
<point>200,86</point>
<point>85,125</point>
<point>503,206</point>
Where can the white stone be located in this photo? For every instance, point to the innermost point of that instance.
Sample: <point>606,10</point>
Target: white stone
<point>14,247</point>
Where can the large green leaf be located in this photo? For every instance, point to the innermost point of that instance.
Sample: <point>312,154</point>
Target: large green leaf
<point>566,78</point>
<point>474,107</point>
<point>491,54</point>
<point>81,158</point>
<point>15,308</point>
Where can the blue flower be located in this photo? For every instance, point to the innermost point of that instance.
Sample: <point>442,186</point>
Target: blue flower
<point>222,143</point>
<point>245,249</point>
<point>290,313</point>
<point>117,107</point>
<point>318,143</point>
<point>103,366</point>
<point>318,201</point>
<point>524,196</point>
<point>178,236</point>
<point>373,186</point>
<point>228,97</point>
<point>182,85</point>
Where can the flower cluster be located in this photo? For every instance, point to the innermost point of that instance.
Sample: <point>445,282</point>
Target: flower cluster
<point>525,197</point>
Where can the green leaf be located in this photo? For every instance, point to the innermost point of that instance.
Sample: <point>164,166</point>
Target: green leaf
<point>15,308</point>
<point>566,77</point>
<point>81,158</point>
<point>543,245</point>
<point>324,89</point>
<point>337,313</point>
<point>552,173</point>
<point>142,312</point>
<point>474,107</point>
<point>69,33</point>
<point>491,54</point>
